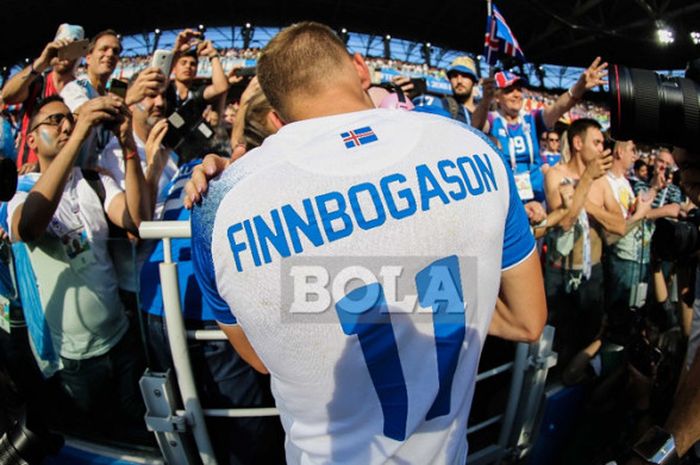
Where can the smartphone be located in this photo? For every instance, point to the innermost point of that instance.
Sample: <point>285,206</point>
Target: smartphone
<point>248,71</point>
<point>118,88</point>
<point>162,59</point>
<point>73,50</point>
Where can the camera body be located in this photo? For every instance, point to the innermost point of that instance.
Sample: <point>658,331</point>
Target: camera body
<point>673,240</point>
<point>649,107</point>
<point>186,125</point>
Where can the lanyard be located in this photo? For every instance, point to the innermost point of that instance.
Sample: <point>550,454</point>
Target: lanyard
<point>511,141</point>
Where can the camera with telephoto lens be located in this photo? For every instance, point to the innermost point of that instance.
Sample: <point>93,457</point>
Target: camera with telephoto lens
<point>677,239</point>
<point>28,442</point>
<point>656,109</point>
<point>8,179</point>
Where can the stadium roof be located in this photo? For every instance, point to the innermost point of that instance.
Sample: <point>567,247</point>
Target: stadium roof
<point>549,31</point>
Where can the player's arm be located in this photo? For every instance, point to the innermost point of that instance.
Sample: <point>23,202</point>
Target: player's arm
<point>240,343</point>
<point>521,309</point>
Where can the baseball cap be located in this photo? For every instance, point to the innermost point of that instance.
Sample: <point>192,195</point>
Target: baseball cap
<point>463,64</point>
<point>506,79</point>
<point>70,31</point>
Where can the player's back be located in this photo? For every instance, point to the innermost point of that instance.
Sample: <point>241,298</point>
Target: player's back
<point>361,254</point>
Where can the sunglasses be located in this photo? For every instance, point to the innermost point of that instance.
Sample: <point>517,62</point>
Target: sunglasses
<point>55,120</point>
<point>553,140</point>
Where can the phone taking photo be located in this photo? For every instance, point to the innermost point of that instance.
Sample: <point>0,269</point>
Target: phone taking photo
<point>118,88</point>
<point>162,59</point>
<point>248,71</point>
<point>73,50</point>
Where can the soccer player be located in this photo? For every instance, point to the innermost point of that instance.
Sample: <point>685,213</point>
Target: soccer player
<point>357,257</point>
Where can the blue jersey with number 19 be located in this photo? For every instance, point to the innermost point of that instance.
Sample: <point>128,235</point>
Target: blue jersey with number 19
<point>361,254</point>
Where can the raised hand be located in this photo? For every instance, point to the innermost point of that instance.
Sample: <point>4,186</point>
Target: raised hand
<point>50,54</point>
<point>185,39</point>
<point>149,83</point>
<point>595,75</point>
<point>599,166</point>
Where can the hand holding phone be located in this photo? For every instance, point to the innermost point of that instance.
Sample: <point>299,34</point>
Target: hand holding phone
<point>248,71</point>
<point>162,59</point>
<point>73,50</point>
<point>118,88</point>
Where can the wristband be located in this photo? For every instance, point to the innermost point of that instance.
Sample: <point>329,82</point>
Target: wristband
<point>129,154</point>
<point>32,71</point>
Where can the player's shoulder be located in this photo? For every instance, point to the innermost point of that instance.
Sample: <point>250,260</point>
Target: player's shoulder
<point>238,172</point>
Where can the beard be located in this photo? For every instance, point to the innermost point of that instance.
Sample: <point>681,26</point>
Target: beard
<point>462,95</point>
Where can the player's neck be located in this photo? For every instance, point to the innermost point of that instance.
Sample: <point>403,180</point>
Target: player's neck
<point>331,102</point>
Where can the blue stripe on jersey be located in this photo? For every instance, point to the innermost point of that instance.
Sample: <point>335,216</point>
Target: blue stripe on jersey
<point>203,217</point>
<point>363,312</point>
<point>518,240</point>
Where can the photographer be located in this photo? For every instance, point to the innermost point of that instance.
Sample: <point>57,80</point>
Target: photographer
<point>102,58</point>
<point>158,166</point>
<point>188,49</point>
<point>667,196</point>
<point>68,285</point>
<point>33,83</point>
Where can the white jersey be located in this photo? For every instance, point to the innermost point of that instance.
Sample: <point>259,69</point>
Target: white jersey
<point>362,253</point>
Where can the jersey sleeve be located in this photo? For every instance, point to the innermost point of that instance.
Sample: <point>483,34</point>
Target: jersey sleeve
<point>518,241</point>
<point>202,230</point>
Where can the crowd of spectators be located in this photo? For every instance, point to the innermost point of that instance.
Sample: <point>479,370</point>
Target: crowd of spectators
<point>94,165</point>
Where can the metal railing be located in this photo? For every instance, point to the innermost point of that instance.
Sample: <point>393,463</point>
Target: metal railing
<point>529,371</point>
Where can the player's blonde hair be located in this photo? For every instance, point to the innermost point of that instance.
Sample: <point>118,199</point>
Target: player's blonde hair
<point>300,60</point>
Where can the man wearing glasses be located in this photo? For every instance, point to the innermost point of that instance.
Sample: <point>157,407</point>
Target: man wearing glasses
<point>550,144</point>
<point>58,222</point>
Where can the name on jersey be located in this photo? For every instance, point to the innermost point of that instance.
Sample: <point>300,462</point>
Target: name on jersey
<point>335,215</point>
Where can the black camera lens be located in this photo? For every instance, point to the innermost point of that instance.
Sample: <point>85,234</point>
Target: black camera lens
<point>676,239</point>
<point>648,107</point>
